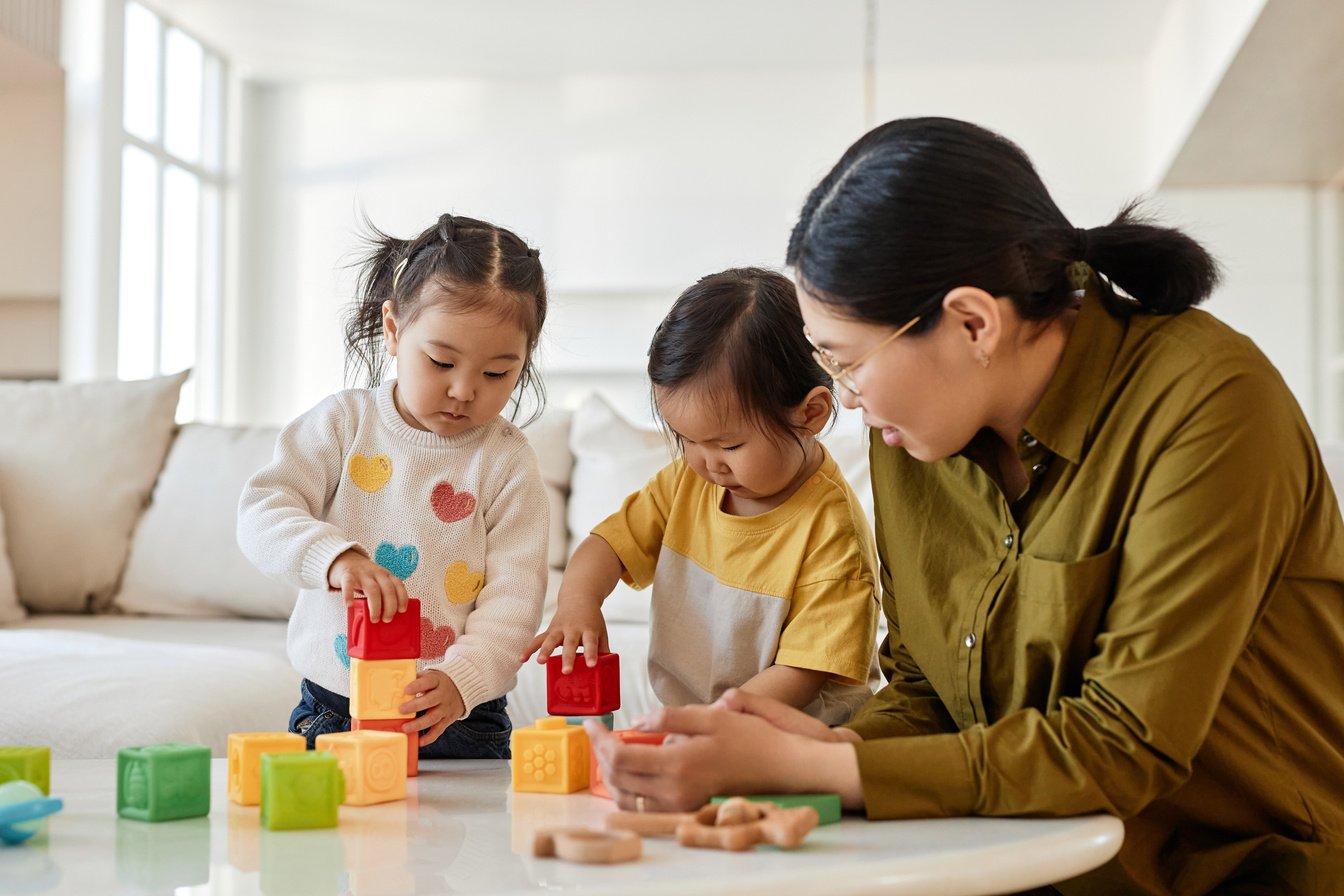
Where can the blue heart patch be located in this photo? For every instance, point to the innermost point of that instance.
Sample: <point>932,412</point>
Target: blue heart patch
<point>342,653</point>
<point>400,561</point>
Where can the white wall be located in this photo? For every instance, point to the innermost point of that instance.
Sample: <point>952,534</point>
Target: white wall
<point>632,187</point>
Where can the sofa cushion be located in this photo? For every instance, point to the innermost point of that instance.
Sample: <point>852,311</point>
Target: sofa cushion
<point>549,438</point>
<point>10,608</point>
<point>77,463</point>
<point>194,514</point>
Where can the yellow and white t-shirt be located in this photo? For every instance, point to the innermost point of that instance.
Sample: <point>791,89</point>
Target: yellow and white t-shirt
<point>734,595</point>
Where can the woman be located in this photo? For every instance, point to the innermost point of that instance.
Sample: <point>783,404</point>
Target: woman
<point>1112,563</point>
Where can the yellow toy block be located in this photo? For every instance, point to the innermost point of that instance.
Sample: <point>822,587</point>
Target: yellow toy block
<point>378,687</point>
<point>551,757</point>
<point>245,761</point>
<point>374,764</point>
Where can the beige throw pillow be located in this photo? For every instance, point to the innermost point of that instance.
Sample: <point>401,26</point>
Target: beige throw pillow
<point>10,608</point>
<point>77,464</point>
<point>193,516</point>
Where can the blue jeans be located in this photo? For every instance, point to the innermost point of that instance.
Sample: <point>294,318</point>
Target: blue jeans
<point>483,734</point>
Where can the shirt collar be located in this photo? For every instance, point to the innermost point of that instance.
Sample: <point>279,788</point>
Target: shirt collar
<point>1062,420</point>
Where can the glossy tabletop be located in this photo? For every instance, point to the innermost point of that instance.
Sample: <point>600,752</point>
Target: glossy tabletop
<point>462,830</point>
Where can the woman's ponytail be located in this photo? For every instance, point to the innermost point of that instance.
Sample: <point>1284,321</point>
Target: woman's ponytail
<point>1160,268</point>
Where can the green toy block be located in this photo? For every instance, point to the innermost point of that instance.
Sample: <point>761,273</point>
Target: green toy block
<point>826,804</point>
<point>300,790</point>
<point>27,764</point>
<point>162,782</point>
<point>606,719</point>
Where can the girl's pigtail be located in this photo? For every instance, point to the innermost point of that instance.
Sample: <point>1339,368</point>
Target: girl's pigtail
<point>382,276</point>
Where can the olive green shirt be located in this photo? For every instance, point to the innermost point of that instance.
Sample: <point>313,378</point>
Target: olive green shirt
<point>1154,628</point>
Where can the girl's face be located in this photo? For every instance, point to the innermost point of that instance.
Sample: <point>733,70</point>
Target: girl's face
<point>758,469</point>
<point>921,391</point>
<point>455,369</point>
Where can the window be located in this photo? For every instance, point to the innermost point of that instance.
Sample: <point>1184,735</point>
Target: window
<point>172,184</point>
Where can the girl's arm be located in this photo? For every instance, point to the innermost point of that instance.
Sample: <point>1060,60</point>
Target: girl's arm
<point>591,575</point>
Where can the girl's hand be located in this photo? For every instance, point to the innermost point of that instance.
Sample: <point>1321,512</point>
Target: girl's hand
<point>439,699</point>
<point>782,716</point>
<point>577,623</point>
<point>355,575</point>
<point>717,751</point>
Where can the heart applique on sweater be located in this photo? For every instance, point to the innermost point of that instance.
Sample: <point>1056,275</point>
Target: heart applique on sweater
<point>400,561</point>
<point>370,473</point>
<point>435,640</point>
<point>449,505</point>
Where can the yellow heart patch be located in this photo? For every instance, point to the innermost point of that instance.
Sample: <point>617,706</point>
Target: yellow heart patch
<point>461,584</point>
<point>370,473</point>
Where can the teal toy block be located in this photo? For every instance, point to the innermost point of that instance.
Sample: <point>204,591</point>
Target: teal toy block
<point>606,719</point>
<point>826,804</point>
<point>27,764</point>
<point>163,782</point>
<point>300,790</point>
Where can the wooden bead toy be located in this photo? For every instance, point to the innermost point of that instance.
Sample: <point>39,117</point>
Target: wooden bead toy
<point>588,846</point>
<point>826,804</point>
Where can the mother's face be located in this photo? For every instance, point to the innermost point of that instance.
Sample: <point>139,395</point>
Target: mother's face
<point>921,390</point>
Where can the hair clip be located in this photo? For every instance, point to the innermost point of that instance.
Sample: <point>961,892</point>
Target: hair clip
<point>396,273</point>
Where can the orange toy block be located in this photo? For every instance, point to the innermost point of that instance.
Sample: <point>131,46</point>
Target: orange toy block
<point>394,725</point>
<point>245,752</point>
<point>378,687</point>
<point>550,757</point>
<point>629,736</point>
<point>372,764</point>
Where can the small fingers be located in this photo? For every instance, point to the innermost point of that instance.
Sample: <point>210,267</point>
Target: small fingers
<point>590,647</point>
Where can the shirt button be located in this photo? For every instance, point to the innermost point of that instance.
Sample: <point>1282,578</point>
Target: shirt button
<point>1008,540</point>
<point>970,640</point>
<point>1029,440</point>
<point>1038,469</point>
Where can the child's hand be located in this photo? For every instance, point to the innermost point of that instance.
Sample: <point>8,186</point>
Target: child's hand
<point>355,574</point>
<point>575,624</point>
<point>441,702</point>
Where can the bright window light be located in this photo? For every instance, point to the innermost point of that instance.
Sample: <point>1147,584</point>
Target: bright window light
<point>140,100</point>
<point>183,75</point>
<point>137,310</point>
<point>181,267</point>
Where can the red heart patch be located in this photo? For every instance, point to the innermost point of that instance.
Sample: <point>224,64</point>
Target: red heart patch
<point>451,506</point>
<point>434,642</point>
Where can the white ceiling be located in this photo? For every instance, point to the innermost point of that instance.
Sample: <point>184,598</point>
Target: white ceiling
<point>286,39</point>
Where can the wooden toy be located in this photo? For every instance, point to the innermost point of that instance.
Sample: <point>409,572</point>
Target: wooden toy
<point>826,804</point>
<point>22,808</point>
<point>27,764</point>
<point>245,751</point>
<point>378,687</point>
<point>649,824</point>
<point>584,691</point>
<point>596,785</point>
<point>394,726</point>
<point>372,762</point>
<point>398,639</point>
<point>163,781</point>
<point>587,845</point>
<point>300,790</point>
<point>550,757</point>
<point>734,825</point>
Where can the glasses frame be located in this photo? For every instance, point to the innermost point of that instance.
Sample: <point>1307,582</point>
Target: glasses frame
<point>844,376</point>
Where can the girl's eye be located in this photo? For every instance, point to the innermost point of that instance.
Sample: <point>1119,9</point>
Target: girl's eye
<point>732,447</point>
<point>496,376</point>
<point>441,364</point>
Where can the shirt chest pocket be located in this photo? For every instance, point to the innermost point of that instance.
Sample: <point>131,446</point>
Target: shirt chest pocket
<point>1044,627</point>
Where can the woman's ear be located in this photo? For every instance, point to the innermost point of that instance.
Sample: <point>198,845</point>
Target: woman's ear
<point>978,320</point>
<point>814,411</point>
<point>390,328</point>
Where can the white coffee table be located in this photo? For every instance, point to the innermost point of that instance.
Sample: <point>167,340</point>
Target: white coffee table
<point>462,830</point>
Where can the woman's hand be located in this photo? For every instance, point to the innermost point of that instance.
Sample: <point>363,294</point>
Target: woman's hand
<point>578,623</point>
<point>713,751</point>
<point>355,575</point>
<point>783,716</point>
<point>439,699</point>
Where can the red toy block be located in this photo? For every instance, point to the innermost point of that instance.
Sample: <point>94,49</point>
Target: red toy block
<point>394,725</point>
<point>596,785</point>
<point>395,640</point>
<point>584,691</point>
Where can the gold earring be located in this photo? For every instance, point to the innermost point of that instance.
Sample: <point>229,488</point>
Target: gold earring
<point>983,357</point>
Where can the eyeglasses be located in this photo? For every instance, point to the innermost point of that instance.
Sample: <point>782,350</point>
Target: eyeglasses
<point>845,375</point>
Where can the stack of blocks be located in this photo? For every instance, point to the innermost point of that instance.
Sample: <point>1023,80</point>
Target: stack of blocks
<point>382,663</point>
<point>554,756</point>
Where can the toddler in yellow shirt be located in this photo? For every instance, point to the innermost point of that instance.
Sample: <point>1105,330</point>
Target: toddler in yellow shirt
<point>758,550</point>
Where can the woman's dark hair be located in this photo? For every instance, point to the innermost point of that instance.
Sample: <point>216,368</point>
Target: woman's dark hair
<point>738,336</point>
<point>919,206</point>
<point>465,263</point>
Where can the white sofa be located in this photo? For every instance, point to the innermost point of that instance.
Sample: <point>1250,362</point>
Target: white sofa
<point>128,614</point>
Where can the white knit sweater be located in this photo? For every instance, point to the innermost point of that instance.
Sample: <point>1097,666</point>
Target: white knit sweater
<point>462,520</point>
